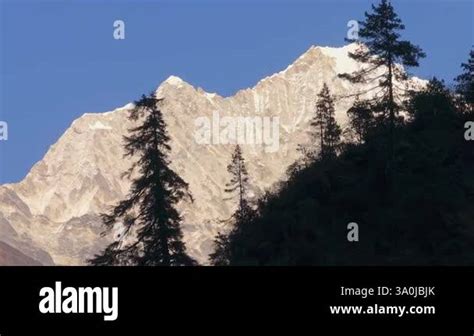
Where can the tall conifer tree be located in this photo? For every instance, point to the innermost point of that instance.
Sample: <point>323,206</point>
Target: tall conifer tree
<point>238,188</point>
<point>326,131</point>
<point>361,120</point>
<point>152,224</point>
<point>465,86</point>
<point>239,181</point>
<point>380,49</point>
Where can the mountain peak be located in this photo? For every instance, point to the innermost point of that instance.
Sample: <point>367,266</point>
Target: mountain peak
<point>343,63</point>
<point>316,50</point>
<point>174,80</point>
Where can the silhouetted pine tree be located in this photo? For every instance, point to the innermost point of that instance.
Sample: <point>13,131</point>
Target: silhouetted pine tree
<point>361,120</point>
<point>152,233</point>
<point>380,49</point>
<point>435,102</point>
<point>237,187</point>
<point>239,182</point>
<point>325,128</point>
<point>465,86</point>
<point>332,135</point>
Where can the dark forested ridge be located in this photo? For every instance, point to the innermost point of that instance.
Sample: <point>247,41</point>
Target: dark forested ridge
<point>404,175</point>
<point>426,219</point>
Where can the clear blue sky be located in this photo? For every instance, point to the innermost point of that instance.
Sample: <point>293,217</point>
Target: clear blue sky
<point>59,59</point>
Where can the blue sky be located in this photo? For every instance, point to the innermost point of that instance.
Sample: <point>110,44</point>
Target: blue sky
<point>58,59</point>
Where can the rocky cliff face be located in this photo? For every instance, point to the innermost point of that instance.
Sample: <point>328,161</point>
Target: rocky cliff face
<point>52,215</point>
<point>10,256</point>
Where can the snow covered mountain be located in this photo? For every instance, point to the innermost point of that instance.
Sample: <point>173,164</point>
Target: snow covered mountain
<point>52,215</point>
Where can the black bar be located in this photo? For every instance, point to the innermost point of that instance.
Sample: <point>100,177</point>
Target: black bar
<point>242,299</point>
